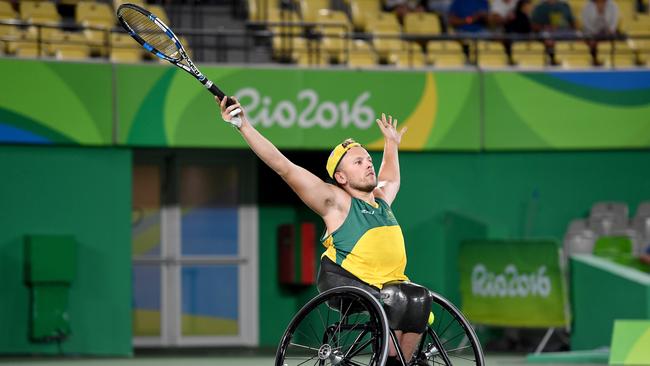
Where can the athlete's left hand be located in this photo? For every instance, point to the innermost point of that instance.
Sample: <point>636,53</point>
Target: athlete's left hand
<point>389,129</point>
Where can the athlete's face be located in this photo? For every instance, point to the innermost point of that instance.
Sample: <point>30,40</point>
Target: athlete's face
<point>357,171</point>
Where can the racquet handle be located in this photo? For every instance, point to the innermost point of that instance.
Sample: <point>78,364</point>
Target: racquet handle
<point>216,91</point>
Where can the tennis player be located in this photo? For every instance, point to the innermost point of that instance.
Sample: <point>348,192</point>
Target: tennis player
<point>365,245</point>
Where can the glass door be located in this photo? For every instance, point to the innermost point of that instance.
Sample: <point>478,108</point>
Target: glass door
<point>195,251</point>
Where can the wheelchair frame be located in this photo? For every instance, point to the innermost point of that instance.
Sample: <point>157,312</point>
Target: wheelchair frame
<point>329,354</point>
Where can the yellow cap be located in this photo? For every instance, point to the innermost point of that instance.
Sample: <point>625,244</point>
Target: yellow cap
<point>337,154</point>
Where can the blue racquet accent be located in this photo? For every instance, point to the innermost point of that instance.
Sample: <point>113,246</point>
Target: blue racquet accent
<point>147,46</point>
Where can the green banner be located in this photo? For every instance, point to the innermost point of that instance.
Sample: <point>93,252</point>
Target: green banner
<point>513,283</point>
<point>567,110</point>
<point>630,341</point>
<point>302,109</point>
<point>55,102</point>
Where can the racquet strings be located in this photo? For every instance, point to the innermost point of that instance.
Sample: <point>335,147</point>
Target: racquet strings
<point>150,32</point>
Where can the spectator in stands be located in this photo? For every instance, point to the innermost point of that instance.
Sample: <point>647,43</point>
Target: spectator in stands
<point>517,23</point>
<point>600,18</point>
<point>403,7</point>
<point>469,15</point>
<point>521,21</point>
<point>553,16</point>
<point>502,12</point>
<point>438,6</point>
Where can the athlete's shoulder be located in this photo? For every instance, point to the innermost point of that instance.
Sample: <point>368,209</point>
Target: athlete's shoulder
<point>341,200</point>
<point>380,196</point>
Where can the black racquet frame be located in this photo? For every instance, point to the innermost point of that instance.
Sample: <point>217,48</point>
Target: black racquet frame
<point>183,61</point>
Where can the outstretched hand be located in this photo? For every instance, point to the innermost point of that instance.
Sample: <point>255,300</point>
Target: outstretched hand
<point>389,129</point>
<point>226,111</point>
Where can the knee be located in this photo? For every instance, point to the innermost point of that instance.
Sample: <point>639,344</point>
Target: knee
<point>407,306</point>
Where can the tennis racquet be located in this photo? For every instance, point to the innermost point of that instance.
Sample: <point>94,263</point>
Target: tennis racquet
<point>157,38</point>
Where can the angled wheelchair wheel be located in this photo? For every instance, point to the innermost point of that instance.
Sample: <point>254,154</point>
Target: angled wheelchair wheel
<point>342,326</point>
<point>450,340</point>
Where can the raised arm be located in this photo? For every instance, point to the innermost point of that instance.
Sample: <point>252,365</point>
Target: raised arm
<point>389,176</point>
<point>316,194</point>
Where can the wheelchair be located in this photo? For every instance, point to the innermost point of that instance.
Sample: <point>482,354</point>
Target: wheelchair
<point>347,326</point>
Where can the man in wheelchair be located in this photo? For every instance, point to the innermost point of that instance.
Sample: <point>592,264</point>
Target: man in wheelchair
<point>365,246</point>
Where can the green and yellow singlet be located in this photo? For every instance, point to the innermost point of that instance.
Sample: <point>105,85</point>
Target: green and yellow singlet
<point>369,244</point>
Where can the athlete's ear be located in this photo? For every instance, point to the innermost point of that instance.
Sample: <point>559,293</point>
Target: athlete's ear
<point>340,177</point>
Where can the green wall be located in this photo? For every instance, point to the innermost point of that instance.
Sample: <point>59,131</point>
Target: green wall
<point>86,193</point>
<point>514,195</point>
<point>603,291</point>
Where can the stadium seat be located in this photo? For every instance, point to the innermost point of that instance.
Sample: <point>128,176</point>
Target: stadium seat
<point>47,37</point>
<point>39,12</point>
<point>25,45</point>
<point>529,54</point>
<point>310,9</point>
<point>71,2</point>
<point>258,10</point>
<point>363,11</point>
<point>72,46</point>
<point>386,33</point>
<point>623,55</point>
<point>7,11</point>
<point>311,55</point>
<point>289,22</point>
<point>641,221</point>
<point>96,15</point>
<point>117,3</point>
<point>423,24</point>
<point>626,9</point>
<point>576,9</point>
<point>578,239</point>
<point>335,30</point>
<point>446,54</point>
<point>286,36</point>
<point>572,55</point>
<point>124,49</point>
<point>609,209</point>
<point>160,12</point>
<point>290,48</point>
<point>15,38</point>
<point>492,54</point>
<point>409,56</point>
<point>608,218</point>
<point>361,54</point>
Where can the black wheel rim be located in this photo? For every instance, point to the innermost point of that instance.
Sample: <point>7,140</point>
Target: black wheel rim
<point>322,335</point>
<point>449,340</point>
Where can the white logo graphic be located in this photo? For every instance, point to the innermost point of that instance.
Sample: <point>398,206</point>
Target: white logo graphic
<point>511,283</point>
<point>309,112</point>
<point>364,211</point>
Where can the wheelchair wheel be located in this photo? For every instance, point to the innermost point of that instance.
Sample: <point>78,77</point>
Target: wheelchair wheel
<point>342,326</point>
<point>450,340</point>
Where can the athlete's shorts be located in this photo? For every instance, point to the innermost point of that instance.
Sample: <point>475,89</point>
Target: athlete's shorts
<point>406,304</point>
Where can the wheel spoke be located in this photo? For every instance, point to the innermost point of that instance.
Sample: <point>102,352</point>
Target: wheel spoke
<point>350,353</point>
<point>447,340</point>
<point>301,346</point>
